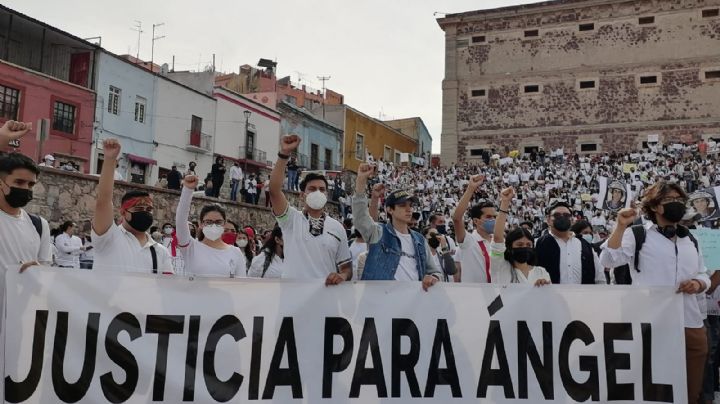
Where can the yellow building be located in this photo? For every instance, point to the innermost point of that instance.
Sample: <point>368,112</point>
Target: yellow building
<point>363,135</point>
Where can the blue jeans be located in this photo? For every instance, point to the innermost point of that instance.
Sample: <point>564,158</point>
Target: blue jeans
<point>234,185</point>
<point>292,183</point>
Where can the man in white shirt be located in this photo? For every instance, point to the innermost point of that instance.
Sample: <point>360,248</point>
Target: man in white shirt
<point>316,245</point>
<point>126,246</point>
<point>236,175</point>
<point>475,246</point>
<point>69,246</point>
<point>668,257</point>
<point>48,161</point>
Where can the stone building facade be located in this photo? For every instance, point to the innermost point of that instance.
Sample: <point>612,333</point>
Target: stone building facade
<point>61,195</point>
<point>586,75</point>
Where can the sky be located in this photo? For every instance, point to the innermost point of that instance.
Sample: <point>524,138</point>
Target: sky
<point>385,56</point>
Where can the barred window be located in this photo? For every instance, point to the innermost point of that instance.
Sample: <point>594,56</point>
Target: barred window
<point>64,117</point>
<point>114,100</point>
<point>9,102</point>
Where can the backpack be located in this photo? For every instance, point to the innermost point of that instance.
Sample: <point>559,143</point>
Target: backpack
<point>37,223</point>
<point>640,235</point>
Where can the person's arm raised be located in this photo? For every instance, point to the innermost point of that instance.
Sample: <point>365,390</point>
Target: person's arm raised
<point>288,144</point>
<point>104,202</point>
<point>13,130</point>
<point>459,214</point>
<point>183,211</point>
<point>506,197</point>
<point>378,191</point>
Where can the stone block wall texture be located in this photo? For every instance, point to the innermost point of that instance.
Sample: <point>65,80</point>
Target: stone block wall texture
<point>61,196</point>
<point>679,46</point>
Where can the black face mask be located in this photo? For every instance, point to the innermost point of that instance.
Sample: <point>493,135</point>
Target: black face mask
<point>441,228</point>
<point>523,255</point>
<point>141,221</point>
<point>18,197</point>
<point>434,242</point>
<point>674,211</point>
<point>562,223</point>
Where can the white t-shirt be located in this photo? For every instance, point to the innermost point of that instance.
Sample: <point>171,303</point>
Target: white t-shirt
<point>407,269</point>
<point>502,270</point>
<point>307,256</point>
<point>357,248</point>
<point>69,250</point>
<point>472,258</point>
<point>201,259</point>
<point>274,269</point>
<point>118,249</point>
<point>20,242</point>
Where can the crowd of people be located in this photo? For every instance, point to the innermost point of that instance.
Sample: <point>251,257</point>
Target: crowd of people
<point>535,219</point>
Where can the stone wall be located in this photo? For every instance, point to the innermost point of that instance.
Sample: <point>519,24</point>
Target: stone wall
<point>61,196</point>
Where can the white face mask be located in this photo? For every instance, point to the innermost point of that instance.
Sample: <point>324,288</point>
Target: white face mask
<point>168,230</point>
<point>316,200</point>
<point>213,232</point>
<point>242,243</point>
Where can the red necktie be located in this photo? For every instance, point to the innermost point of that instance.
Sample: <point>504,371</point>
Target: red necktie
<point>487,259</point>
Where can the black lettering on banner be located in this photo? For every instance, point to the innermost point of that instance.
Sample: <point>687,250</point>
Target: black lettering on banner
<point>255,356</point>
<point>662,393</point>
<point>527,350</point>
<point>219,390</point>
<point>113,391</point>
<point>495,377</point>
<point>191,358</point>
<point>577,330</point>
<point>291,375</point>
<point>333,362</point>
<point>16,392</point>
<point>74,392</point>
<point>448,376</point>
<point>163,325</point>
<point>617,361</point>
<point>368,376</point>
<point>404,363</point>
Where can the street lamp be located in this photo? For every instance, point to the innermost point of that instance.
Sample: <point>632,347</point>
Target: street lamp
<point>247,122</point>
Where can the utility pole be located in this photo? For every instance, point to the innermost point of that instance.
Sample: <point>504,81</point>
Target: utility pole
<point>323,79</point>
<point>138,27</point>
<point>152,49</point>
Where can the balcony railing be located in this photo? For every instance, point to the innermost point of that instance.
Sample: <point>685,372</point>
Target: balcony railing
<point>253,155</point>
<point>198,142</point>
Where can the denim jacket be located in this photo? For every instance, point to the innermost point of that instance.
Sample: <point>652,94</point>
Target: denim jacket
<point>385,248</point>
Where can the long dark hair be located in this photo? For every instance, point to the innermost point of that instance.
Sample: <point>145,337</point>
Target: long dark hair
<point>270,247</point>
<point>513,236</point>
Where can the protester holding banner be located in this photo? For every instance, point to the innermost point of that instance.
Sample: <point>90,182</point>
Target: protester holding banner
<point>316,243</point>
<point>126,246</point>
<point>209,254</point>
<point>513,259</point>
<point>269,263</point>
<point>395,252</point>
<point>668,256</point>
<point>474,247</point>
<point>568,259</point>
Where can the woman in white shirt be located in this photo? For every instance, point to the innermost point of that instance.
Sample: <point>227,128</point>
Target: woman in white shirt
<point>513,258</point>
<point>268,264</point>
<point>208,255</point>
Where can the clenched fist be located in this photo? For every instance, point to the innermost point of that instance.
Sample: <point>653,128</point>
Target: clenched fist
<point>289,143</point>
<point>111,149</point>
<point>626,217</point>
<point>190,181</point>
<point>13,130</point>
<point>366,170</point>
<point>475,182</point>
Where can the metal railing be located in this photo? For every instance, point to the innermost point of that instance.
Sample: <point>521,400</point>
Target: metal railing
<point>252,154</point>
<point>198,142</point>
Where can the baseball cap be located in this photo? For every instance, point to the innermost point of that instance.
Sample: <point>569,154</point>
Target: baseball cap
<point>400,196</point>
<point>50,157</point>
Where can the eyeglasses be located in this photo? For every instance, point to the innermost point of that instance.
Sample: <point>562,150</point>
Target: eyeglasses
<point>670,200</point>
<point>561,215</point>
<point>219,222</point>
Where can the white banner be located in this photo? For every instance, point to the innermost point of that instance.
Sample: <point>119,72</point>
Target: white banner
<point>90,337</point>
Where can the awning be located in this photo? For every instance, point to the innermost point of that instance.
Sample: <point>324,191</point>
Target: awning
<point>141,160</point>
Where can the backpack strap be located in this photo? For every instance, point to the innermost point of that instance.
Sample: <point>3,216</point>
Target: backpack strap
<point>37,223</point>
<point>640,234</point>
<point>153,253</point>
<point>694,240</point>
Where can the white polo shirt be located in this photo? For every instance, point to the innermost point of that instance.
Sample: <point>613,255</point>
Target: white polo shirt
<point>118,249</point>
<point>472,258</point>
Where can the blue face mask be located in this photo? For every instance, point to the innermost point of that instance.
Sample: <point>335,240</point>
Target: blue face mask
<point>489,226</point>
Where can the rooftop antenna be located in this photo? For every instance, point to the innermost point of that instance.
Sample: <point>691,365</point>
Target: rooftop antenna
<point>138,27</point>
<point>152,48</point>
<point>323,79</point>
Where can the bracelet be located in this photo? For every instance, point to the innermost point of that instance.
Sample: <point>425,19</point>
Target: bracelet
<point>504,211</point>
<point>283,156</point>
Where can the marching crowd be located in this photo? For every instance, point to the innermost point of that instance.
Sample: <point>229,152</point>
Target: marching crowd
<point>536,220</point>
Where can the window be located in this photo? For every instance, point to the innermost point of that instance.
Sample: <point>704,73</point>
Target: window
<point>713,12</point>
<point>328,159</point>
<point>588,147</point>
<point>586,84</point>
<point>140,103</point>
<point>359,147</point>
<point>387,154</point>
<point>476,152</point>
<point>532,88</point>
<point>478,39</point>
<point>9,102</point>
<point>586,27</point>
<point>398,157</point>
<point>64,118</point>
<point>712,75</point>
<point>646,20</point>
<point>314,157</point>
<point>650,79</point>
<point>478,92</point>
<point>532,33</point>
<point>114,100</point>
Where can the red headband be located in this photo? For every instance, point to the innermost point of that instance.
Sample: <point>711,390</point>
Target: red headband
<point>134,201</point>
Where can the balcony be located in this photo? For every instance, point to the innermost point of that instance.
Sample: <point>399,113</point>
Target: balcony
<point>253,155</point>
<point>198,142</point>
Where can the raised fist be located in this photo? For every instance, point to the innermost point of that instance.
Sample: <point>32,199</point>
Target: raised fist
<point>190,181</point>
<point>13,130</point>
<point>475,182</point>
<point>289,143</point>
<point>626,217</point>
<point>366,170</point>
<point>111,149</point>
<point>507,194</point>
<point>378,190</point>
